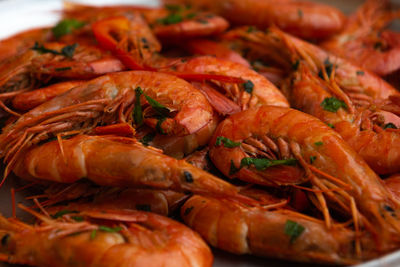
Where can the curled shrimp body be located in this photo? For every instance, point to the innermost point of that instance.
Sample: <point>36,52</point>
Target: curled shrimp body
<point>364,129</point>
<point>102,238</point>
<point>115,161</point>
<point>258,231</point>
<point>261,136</point>
<point>363,86</point>
<point>365,41</point>
<point>174,107</point>
<point>256,91</point>
<point>303,18</point>
<point>48,60</point>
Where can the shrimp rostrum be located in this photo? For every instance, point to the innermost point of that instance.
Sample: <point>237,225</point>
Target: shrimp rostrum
<point>102,238</point>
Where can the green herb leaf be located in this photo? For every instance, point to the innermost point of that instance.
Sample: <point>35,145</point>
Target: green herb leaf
<point>143,207</point>
<point>251,29</point>
<point>43,50</point>
<point>293,229</point>
<point>69,50</point>
<point>332,104</point>
<point>137,109</point>
<point>66,26</point>
<point>233,169</point>
<point>312,159</point>
<point>227,142</point>
<point>77,218</point>
<point>360,73</point>
<point>158,107</point>
<point>158,125</point>
<point>331,125</point>
<point>93,234</point>
<point>389,125</point>
<point>318,143</point>
<point>296,64</point>
<point>62,213</point>
<point>147,138</point>
<point>300,13</point>
<point>263,163</point>
<point>248,86</point>
<point>63,69</point>
<point>110,229</point>
<point>171,19</point>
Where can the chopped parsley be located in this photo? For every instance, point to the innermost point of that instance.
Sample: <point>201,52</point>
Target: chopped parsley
<point>66,26</point>
<point>251,29</point>
<point>331,125</point>
<point>360,72</point>
<point>227,142</point>
<point>233,169</point>
<point>332,104</point>
<point>312,159</point>
<point>143,207</point>
<point>67,51</point>
<point>320,143</point>
<point>147,139</point>
<point>263,163</point>
<point>110,229</point>
<point>389,125</point>
<point>171,19</point>
<point>293,230</point>
<point>248,86</point>
<point>93,234</point>
<point>62,213</point>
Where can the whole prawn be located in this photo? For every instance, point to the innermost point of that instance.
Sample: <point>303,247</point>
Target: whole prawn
<point>303,18</point>
<point>242,230</point>
<point>252,144</point>
<point>102,238</point>
<point>365,41</point>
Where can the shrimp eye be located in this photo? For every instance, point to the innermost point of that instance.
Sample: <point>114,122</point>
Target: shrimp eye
<point>188,177</point>
<point>5,239</point>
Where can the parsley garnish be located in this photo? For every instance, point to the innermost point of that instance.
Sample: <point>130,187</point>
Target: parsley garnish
<point>331,125</point>
<point>227,142</point>
<point>389,125</point>
<point>233,169</point>
<point>147,138</point>
<point>312,159</point>
<point>332,104</point>
<point>360,72</point>
<point>318,143</point>
<point>263,163</point>
<point>67,51</point>
<point>62,213</point>
<point>93,234</point>
<point>171,19</point>
<point>143,207</point>
<point>248,86</point>
<point>66,26</point>
<point>293,229</point>
<point>110,229</point>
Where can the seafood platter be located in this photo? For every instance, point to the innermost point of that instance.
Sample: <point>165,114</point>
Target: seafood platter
<point>200,133</point>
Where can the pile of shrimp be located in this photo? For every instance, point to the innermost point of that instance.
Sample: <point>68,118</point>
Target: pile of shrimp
<point>266,127</point>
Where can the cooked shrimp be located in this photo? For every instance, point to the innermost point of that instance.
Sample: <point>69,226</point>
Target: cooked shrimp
<point>103,238</point>
<point>251,145</point>
<point>85,194</point>
<point>256,90</point>
<point>302,18</point>
<point>242,230</point>
<point>365,41</point>
<point>32,99</point>
<point>369,131</point>
<point>362,86</point>
<point>172,107</point>
<point>115,161</point>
